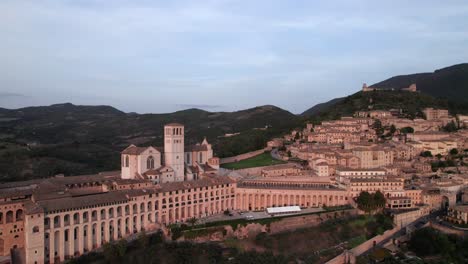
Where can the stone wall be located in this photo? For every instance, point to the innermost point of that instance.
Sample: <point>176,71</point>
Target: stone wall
<point>344,258</point>
<point>350,256</point>
<point>242,156</point>
<point>282,225</point>
<point>370,243</point>
<point>256,171</point>
<point>447,230</point>
<point>293,223</point>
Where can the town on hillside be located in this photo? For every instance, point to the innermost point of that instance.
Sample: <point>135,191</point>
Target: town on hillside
<point>374,161</point>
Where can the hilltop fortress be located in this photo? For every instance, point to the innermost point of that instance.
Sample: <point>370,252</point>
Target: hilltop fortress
<point>411,88</point>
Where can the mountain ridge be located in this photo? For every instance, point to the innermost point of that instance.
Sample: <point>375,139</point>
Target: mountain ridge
<point>449,83</point>
<point>75,139</point>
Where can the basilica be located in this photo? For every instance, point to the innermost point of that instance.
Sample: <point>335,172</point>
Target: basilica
<point>171,164</point>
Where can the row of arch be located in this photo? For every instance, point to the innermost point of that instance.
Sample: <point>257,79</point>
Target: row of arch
<point>262,201</point>
<point>12,216</point>
<point>64,243</point>
<point>74,240</point>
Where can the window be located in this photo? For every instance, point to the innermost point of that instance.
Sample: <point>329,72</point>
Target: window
<point>150,163</point>
<point>127,161</point>
<point>9,217</point>
<point>35,229</point>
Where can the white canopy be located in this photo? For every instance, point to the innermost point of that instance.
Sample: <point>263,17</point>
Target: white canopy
<point>283,209</point>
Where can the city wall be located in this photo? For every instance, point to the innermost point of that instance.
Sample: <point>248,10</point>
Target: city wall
<point>350,256</point>
<point>242,156</point>
<point>448,230</point>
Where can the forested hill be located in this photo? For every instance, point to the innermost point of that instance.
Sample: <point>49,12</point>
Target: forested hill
<point>411,104</point>
<point>71,139</point>
<point>450,82</point>
<point>447,88</point>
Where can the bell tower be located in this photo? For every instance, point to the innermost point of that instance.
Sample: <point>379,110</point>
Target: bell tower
<point>174,149</point>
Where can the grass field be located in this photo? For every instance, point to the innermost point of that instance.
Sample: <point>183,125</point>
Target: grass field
<point>264,159</point>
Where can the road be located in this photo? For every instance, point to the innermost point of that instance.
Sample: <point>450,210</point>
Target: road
<point>251,215</point>
<point>414,225</point>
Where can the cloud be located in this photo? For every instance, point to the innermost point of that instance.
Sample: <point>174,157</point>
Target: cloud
<point>11,94</point>
<point>218,54</point>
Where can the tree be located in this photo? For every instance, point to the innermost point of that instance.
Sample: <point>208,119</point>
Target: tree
<point>297,136</point>
<point>370,202</point>
<point>450,127</point>
<point>379,199</point>
<point>364,201</point>
<point>378,127</point>
<point>289,153</point>
<point>428,242</point>
<point>192,221</point>
<point>121,247</point>
<point>426,154</point>
<point>143,239</point>
<point>110,252</point>
<point>454,152</point>
<point>392,129</point>
<point>407,130</point>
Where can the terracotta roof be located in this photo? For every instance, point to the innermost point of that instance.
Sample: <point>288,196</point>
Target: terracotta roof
<point>196,148</point>
<point>82,201</point>
<point>203,182</point>
<point>280,167</point>
<point>15,192</point>
<point>206,168</point>
<point>134,150</point>
<point>173,124</point>
<point>131,181</point>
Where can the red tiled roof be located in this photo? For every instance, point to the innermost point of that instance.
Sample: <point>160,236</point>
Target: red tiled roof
<point>174,124</point>
<point>134,150</point>
<point>197,148</point>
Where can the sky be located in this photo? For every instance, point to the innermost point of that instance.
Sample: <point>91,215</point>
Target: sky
<point>163,56</point>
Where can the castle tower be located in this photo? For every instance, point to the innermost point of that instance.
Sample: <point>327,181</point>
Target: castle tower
<point>174,149</point>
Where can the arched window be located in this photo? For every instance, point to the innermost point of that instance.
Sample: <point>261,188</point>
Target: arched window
<point>150,163</point>
<point>19,215</point>
<point>127,161</point>
<point>9,217</point>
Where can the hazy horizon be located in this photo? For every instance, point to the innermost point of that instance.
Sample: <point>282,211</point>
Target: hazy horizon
<point>160,57</point>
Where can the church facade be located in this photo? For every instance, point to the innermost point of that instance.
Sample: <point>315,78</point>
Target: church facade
<point>173,163</point>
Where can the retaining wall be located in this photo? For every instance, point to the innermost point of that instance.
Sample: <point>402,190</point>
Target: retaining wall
<point>243,156</point>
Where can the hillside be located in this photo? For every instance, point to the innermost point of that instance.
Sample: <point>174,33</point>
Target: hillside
<point>450,82</point>
<point>316,109</point>
<point>72,139</point>
<point>447,87</point>
<point>411,104</point>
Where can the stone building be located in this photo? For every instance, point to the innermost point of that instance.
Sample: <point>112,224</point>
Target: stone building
<point>434,114</point>
<point>458,214</point>
<point>175,163</point>
<point>258,194</point>
<point>58,218</point>
<point>374,157</point>
<point>281,170</point>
